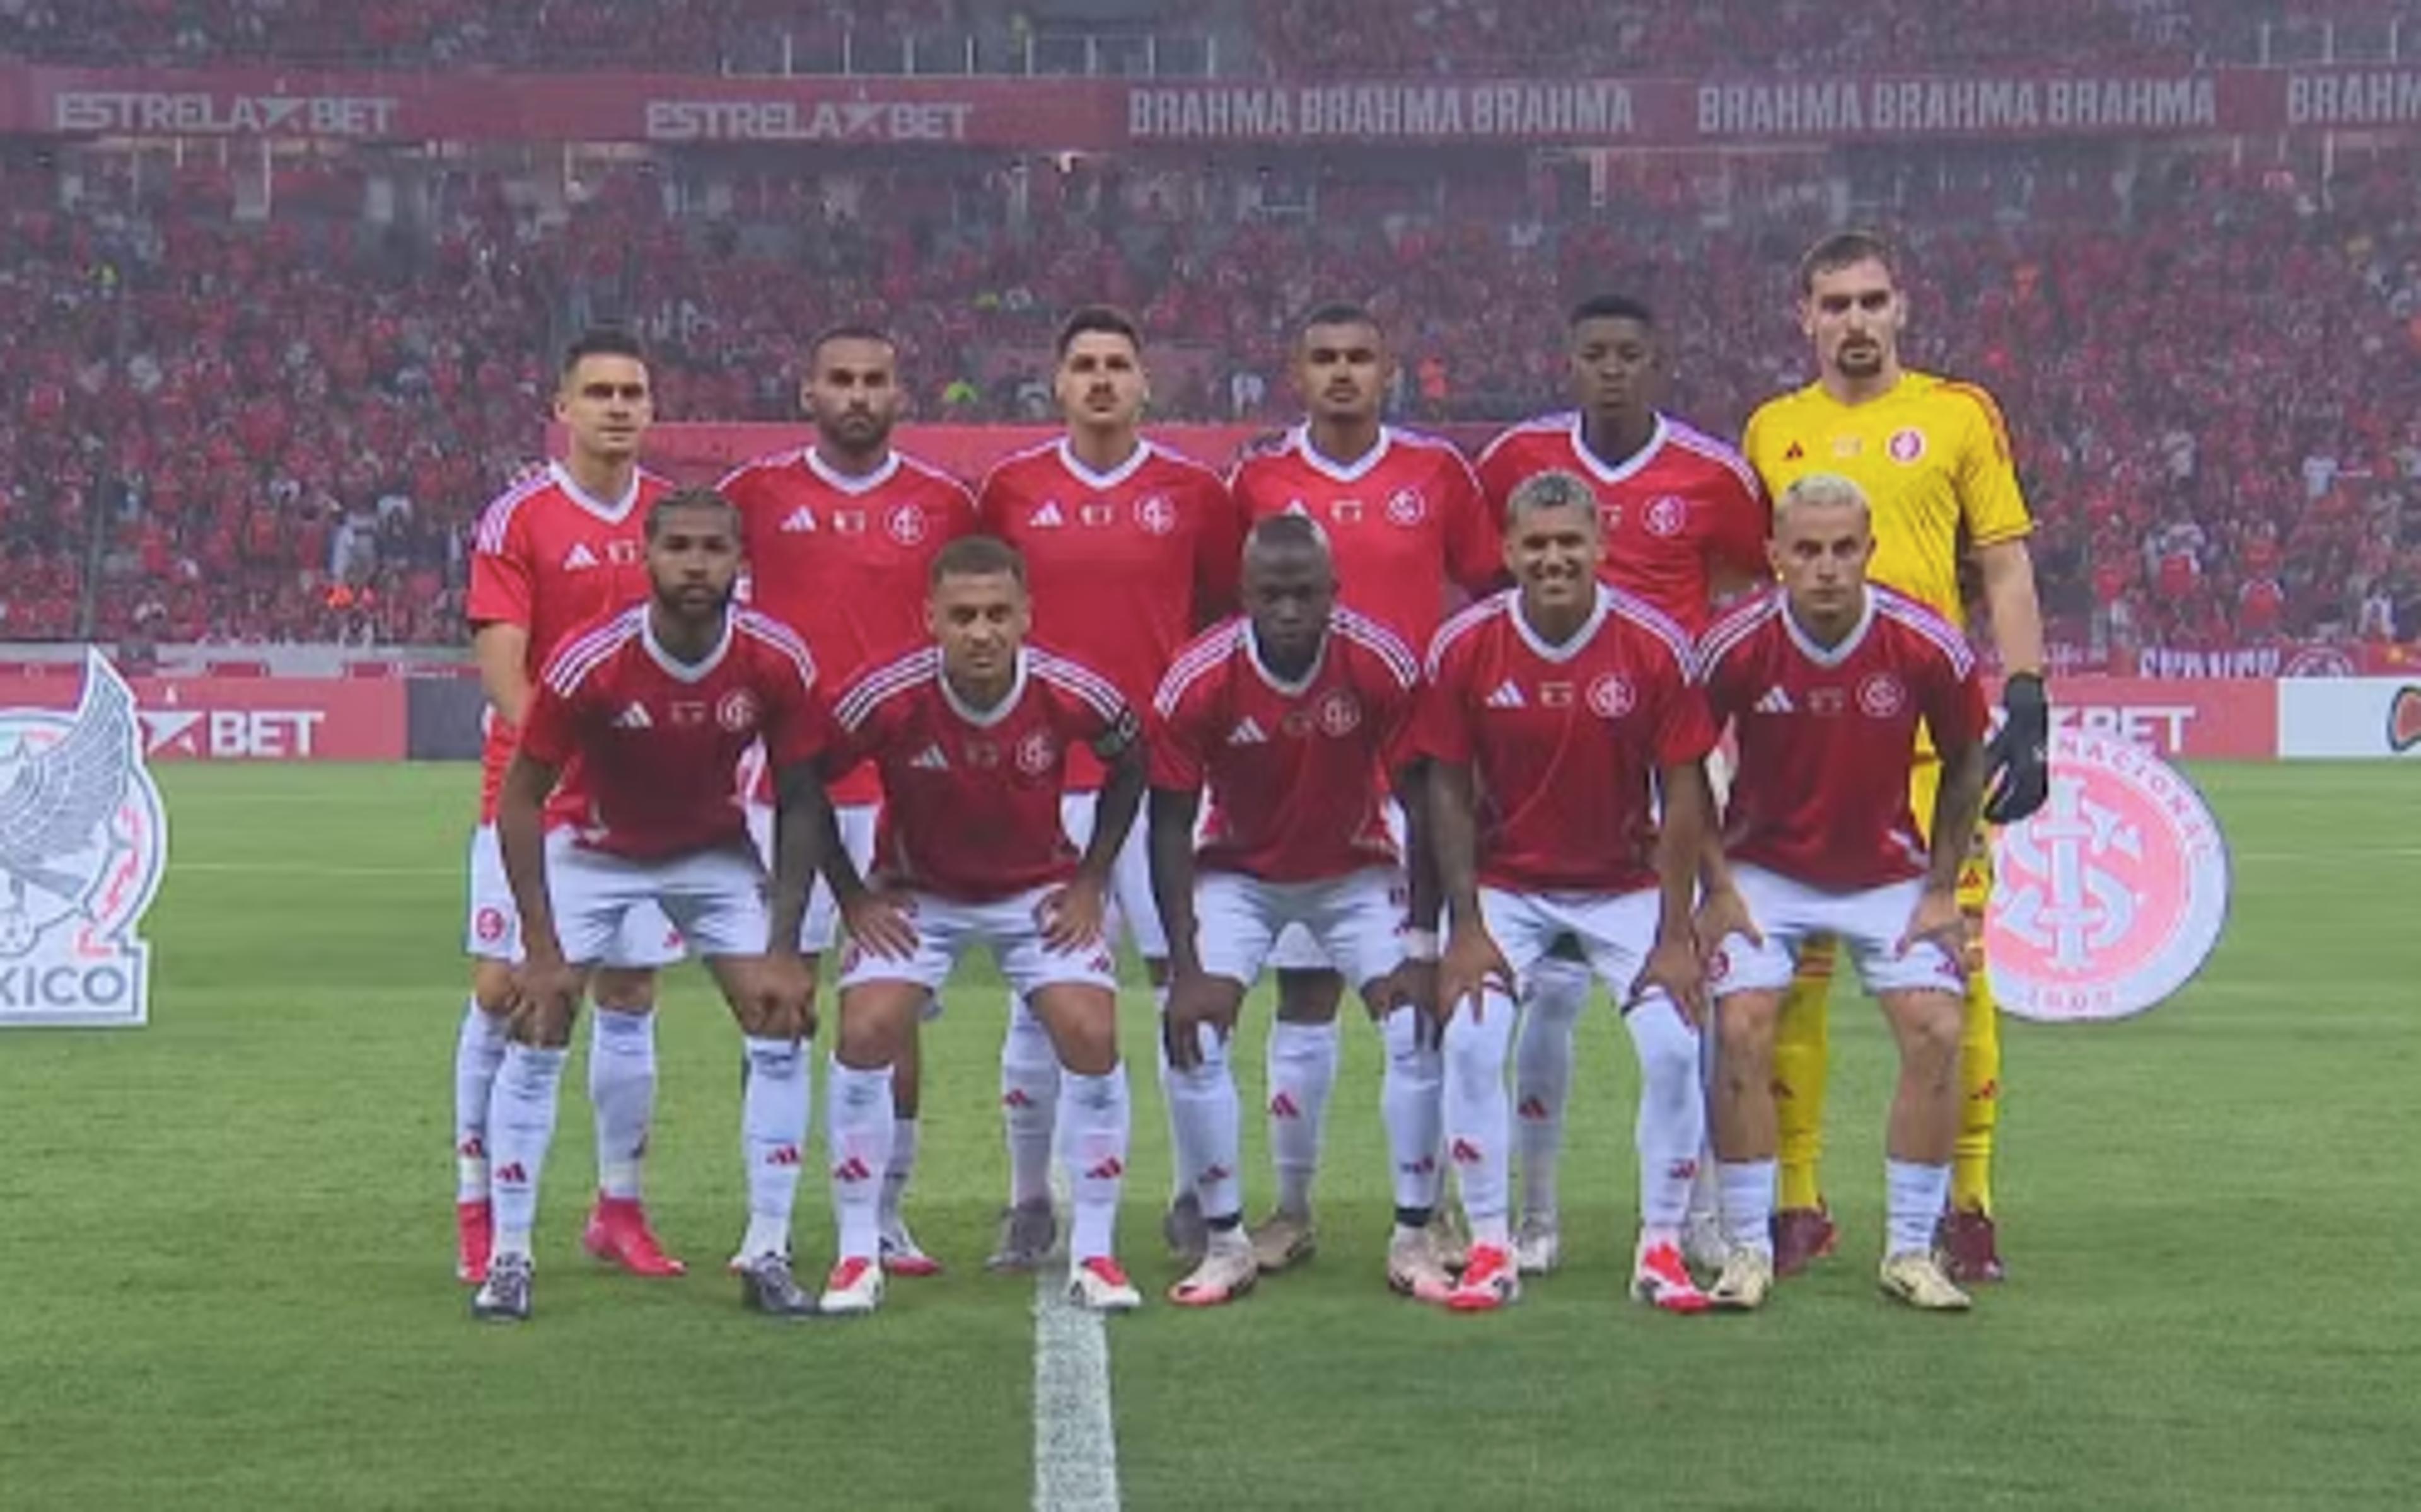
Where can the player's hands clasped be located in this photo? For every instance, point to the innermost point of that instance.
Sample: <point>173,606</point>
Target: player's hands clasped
<point>1675,969</point>
<point>880,924</point>
<point>1196,1000</point>
<point>1072,917</point>
<point>786,997</point>
<point>1471,965</point>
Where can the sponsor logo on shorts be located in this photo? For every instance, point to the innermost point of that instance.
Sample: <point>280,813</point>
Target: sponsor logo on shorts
<point>489,924</point>
<point>2113,895</point>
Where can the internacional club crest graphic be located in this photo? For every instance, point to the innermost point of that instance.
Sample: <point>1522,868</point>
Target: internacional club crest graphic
<point>83,840</point>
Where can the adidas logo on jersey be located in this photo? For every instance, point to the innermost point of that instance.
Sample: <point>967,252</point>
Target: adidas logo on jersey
<point>1247,733</point>
<point>802,521</point>
<point>931,758</point>
<point>1508,695</point>
<point>1774,702</point>
<point>579,558</point>
<point>1047,517</point>
<point>635,717</point>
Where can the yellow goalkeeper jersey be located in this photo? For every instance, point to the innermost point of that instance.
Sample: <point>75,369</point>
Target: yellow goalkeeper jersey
<point>1934,458</point>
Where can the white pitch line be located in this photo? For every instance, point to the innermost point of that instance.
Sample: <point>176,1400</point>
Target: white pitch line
<point>287,868</point>
<point>1075,1435</point>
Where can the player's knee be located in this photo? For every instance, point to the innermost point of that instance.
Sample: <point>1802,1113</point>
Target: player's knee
<point>1931,1027</point>
<point>867,1037</point>
<point>624,991</point>
<point>1744,1030</point>
<point>1087,1042</point>
<point>492,987</point>
<point>1310,996</point>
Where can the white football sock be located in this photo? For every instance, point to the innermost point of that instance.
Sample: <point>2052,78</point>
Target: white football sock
<point>1479,1115</point>
<point>520,1125</point>
<point>1553,997</point>
<point>858,1110</point>
<point>1302,1072</point>
<point>1748,1204</point>
<point>1203,1107</point>
<point>622,1089</point>
<point>1094,1143</point>
<point>774,1139</point>
<point>478,1049</point>
<point>896,1175</point>
<point>1409,1101</point>
<point>1029,1102</point>
<point>1672,1127</point>
<point>1182,1156</point>
<point>1706,1187</point>
<point>1914,1196</point>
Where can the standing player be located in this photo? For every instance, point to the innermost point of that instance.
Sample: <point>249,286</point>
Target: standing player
<point>1402,512</point>
<point>1131,549</point>
<point>1556,713</point>
<point>554,551</point>
<point>1932,458</point>
<point>1686,521</point>
<point>972,737</point>
<point>1828,680</point>
<point>840,536</point>
<point>1288,716</point>
<point>644,716</point>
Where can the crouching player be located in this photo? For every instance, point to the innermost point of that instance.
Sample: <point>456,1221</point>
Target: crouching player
<point>971,737</point>
<point>644,716</point>
<point>1828,678</point>
<point>1290,716</point>
<point>1553,712</point>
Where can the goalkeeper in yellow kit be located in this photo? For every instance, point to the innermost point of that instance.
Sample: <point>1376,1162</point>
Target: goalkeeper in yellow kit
<point>1933,458</point>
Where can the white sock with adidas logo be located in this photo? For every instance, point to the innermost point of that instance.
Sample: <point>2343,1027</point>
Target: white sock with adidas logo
<point>773,1138</point>
<point>1094,1125</point>
<point>858,1129</point>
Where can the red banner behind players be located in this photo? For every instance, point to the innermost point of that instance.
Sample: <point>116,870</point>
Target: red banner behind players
<point>1100,114</point>
<point>2220,720</point>
<point>246,719</point>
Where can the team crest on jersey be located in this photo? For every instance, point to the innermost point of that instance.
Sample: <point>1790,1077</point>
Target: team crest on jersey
<point>737,711</point>
<point>1156,514</point>
<point>1666,515</point>
<point>1611,696</point>
<point>905,523</point>
<point>83,840</point>
<point>1406,508</point>
<point>1882,695</point>
<point>1036,754</point>
<point>1340,713</point>
<point>1907,445</point>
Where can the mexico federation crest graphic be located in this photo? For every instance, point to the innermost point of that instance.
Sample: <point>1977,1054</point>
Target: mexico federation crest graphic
<point>2111,896</point>
<point>83,840</point>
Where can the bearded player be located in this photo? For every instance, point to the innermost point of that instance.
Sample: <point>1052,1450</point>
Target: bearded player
<point>1288,717</point>
<point>1557,714</point>
<point>840,535</point>
<point>1826,682</point>
<point>1131,549</point>
<point>642,715</point>
<point>1932,458</point>
<point>1684,521</point>
<point>1408,532</point>
<point>555,551</point>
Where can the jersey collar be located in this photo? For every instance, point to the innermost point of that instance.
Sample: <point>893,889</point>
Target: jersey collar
<point>675,668</point>
<point>1353,472</point>
<point>1280,685</point>
<point>982,719</point>
<point>1833,656</point>
<point>847,482</point>
<point>1549,651</point>
<point>1103,482</point>
<point>613,512</point>
<point>1598,468</point>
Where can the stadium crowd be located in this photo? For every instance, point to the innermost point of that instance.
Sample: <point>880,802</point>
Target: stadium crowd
<point>288,425</point>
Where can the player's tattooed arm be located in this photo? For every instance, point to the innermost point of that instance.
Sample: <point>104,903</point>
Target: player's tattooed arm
<point>805,833</point>
<point>1171,849</point>
<point>503,653</point>
<point>1470,963</point>
<point>545,986</point>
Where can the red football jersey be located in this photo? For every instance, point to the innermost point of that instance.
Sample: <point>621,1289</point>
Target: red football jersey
<point>548,557</point>
<point>1686,508</point>
<point>844,560</point>
<point>971,797</point>
<point>1405,522</point>
<point>649,746</point>
<point>1564,740</point>
<point>1827,737</point>
<point>1295,771</point>
<point>1124,565</point>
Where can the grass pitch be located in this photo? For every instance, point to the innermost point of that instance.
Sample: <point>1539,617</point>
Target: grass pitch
<point>225,1244</point>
